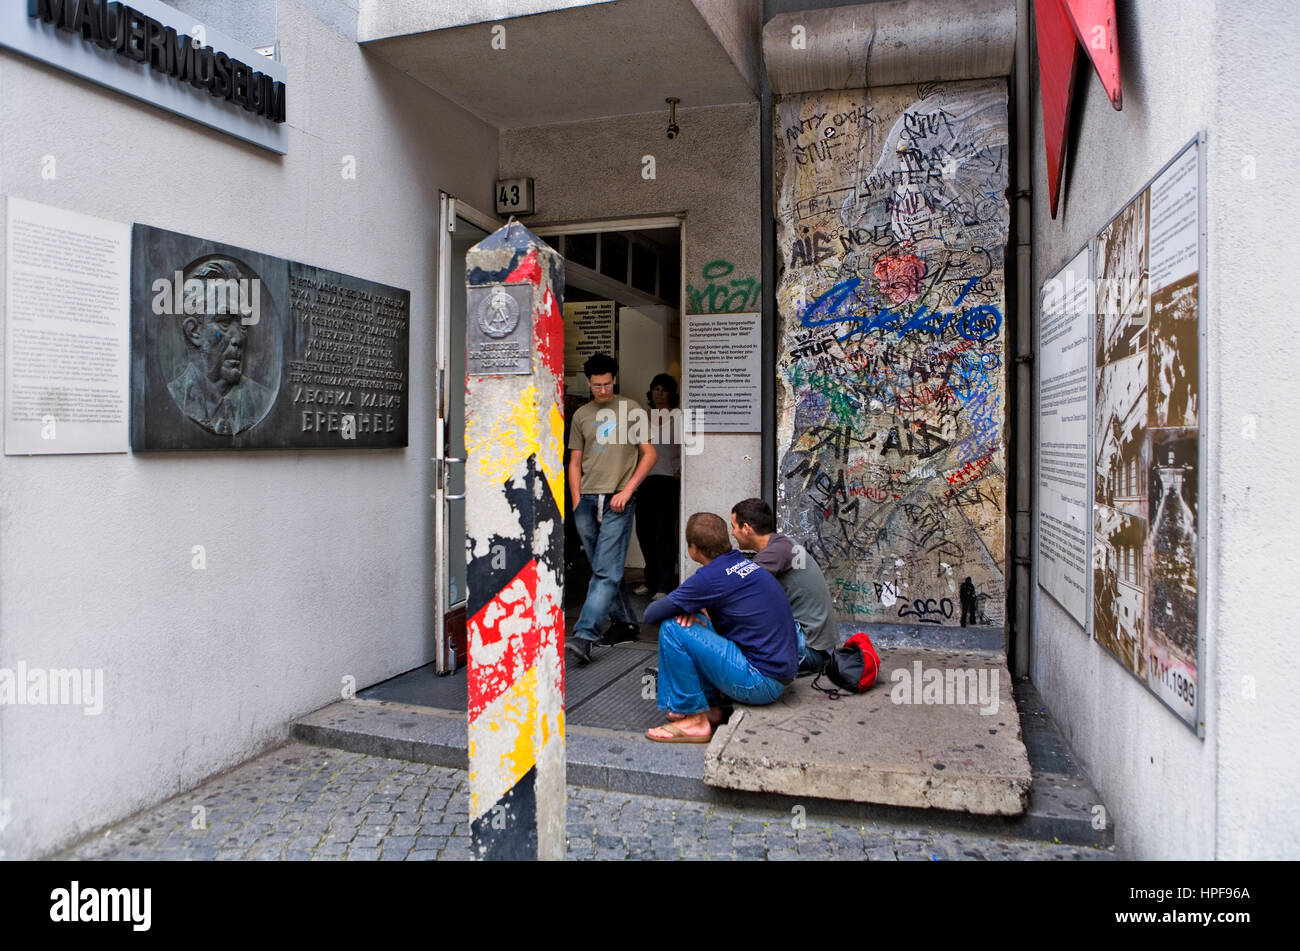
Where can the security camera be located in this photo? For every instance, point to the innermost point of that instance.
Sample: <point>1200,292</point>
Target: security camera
<point>673,129</point>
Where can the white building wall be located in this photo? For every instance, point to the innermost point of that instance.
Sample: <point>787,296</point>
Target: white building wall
<point>1254,243</point>
<point>319,564</point>
<point>1188,67</point>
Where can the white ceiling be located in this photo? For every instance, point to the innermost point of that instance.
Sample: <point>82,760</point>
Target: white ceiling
<point>586,62</point>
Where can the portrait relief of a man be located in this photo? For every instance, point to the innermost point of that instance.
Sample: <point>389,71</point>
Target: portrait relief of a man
<point>214,390</point>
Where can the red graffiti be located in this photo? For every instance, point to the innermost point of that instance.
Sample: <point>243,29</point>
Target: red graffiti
<point>899,276</point>
<point>924,396</point>
<point>550,340</point>
<point>968,472</point>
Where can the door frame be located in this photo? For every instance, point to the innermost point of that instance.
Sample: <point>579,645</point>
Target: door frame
<point>449,209</point>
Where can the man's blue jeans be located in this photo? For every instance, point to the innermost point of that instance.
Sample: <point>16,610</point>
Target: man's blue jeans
<point>697,666</point>
<point>605,543</point>
<point>810,658</point>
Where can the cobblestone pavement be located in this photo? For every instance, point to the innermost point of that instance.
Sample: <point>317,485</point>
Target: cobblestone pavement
<point>309,802</point>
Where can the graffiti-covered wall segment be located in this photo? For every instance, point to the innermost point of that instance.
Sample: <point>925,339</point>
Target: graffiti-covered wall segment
<point>892,223</point>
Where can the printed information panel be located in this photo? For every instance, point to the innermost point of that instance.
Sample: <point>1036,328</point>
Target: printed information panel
<point>1064,506</point>
<point>67,306</point>
<point>722,373</point>
<point>588,329</point>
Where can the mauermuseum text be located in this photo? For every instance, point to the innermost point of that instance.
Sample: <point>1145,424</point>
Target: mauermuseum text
<point>142,39</point>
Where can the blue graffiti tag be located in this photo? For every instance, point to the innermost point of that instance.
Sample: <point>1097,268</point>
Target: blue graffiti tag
<point>979,323</point>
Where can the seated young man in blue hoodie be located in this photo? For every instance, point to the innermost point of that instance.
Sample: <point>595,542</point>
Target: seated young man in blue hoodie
<point>744,647</point>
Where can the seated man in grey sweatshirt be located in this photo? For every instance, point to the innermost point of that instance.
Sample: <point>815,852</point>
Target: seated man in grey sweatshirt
<point>753,526</point>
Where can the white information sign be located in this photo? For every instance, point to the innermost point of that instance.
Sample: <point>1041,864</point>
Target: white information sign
<point>723,376</point>
<point>1175,231</point>
<point>588,329</point>
<point>67,331</point>
<point>1064,498</point>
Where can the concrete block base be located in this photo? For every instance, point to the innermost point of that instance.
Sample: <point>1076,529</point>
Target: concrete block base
<point>939,729</point>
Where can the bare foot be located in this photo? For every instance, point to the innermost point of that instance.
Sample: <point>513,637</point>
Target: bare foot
<point>696,724</point>
<point>713,713</point>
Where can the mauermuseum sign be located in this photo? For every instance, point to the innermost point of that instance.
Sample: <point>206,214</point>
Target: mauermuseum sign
<point>161,55</point>
<point>232,349</point>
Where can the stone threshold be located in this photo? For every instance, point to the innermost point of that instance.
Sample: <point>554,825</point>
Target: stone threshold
<point>1059,806</point>
<point>939,729</point>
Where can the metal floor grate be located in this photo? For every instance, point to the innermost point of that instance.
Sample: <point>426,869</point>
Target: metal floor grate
<point>422,687</point>
<point>620,705</point>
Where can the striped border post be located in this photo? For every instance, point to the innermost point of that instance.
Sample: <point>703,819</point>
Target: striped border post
<point>514,527</point>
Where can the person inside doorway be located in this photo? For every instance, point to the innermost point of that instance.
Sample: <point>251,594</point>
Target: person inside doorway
<point>605,468</point>
<point>753,526</point>
<point>658,497</point>
<point>727,631</point>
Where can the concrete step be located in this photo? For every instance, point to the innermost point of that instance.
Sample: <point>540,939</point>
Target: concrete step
<point>1062,801</point>
<point>624,761</point>
<point>938,730</point>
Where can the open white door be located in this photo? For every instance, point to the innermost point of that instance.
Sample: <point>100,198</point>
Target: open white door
<point>459,229</point>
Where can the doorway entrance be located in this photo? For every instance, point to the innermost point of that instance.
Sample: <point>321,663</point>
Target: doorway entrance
<point>623,295</point>
<point>623,287</point>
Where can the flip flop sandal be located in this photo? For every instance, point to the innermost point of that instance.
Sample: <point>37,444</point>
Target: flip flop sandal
<point>678,735</point>
<point>722,716</point>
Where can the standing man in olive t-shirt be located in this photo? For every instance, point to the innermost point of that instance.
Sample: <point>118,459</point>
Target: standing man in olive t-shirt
<point>609,457</point>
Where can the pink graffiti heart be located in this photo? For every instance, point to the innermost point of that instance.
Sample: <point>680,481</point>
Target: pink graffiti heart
<point>900,276</point>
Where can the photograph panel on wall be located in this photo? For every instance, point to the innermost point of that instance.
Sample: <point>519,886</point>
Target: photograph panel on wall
<point>1147,534</point>
<point>1172,556</point>
<point>1122,296</point>
<point>1120,344</point>
<point>1120,447</point>
<point>1173,368</point>
<point>1174,418</point>
<point>1119,586</point>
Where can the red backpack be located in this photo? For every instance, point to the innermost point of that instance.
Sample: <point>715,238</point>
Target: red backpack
<point>852,666</point>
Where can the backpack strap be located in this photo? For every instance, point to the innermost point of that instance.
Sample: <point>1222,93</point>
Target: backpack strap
<point>831,692</point>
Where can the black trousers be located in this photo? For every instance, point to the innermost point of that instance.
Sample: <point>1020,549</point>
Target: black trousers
<point>656,530</point>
